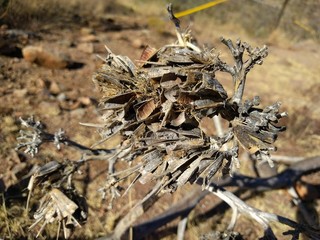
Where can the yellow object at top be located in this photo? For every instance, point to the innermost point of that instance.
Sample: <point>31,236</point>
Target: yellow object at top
<point>199,8</point>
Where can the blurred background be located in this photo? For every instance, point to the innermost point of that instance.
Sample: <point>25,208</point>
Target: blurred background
<point>297,19</point>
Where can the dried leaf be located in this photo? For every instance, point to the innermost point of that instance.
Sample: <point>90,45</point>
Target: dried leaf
<point>171,94</point>
<point>181,118</point>
<point>187,174</point>
<point>170,80</point>
<point>147,54</point>
<point>166,108</point>
<point>251,140</point>
<point>145,110</point>
<point>64,204</point>
<point>207,126</point>
<point>120,98</point>
<point>192,79</point>
<point>185,98</point>
<point>205,103</point>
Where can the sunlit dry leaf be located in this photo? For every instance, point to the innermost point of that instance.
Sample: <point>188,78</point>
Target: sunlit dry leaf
<point>145,110</point>
<point>158,72</point>
<point>170,80</point>
<point>166,108</point>
<point>251,140</point>
<point>154,127</point>
<point>64,204</point>
<point>181,118</point>
<point>171,94</point>
<point>207,126</point>
<point>187,174</point>
<point>151,161</point>
<point>147,55</point>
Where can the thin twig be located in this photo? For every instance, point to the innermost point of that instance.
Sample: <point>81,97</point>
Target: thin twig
<point>263,218</point>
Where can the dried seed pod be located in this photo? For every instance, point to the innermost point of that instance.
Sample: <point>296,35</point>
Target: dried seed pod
<point>145,109</point>
<point>148,55</point>
<point>173,94</point>
<point>42,172</point>
<point>180,119</point>
<point>56,206</point>
<point>255,129</point>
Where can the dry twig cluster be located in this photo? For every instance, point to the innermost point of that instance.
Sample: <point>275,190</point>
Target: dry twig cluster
<point>164,111</point>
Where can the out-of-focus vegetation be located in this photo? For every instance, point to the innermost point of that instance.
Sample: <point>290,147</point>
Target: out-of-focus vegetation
<point>38,14</point>
<point>297,19</point>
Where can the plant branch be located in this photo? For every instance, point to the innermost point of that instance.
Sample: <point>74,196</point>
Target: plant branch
<point>285,179</point>
<point>32,139</point>
<point>263,218</point>
<point>241,68</point>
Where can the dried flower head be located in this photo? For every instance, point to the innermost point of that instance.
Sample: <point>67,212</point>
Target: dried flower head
<point>55,206</point>
<point>164,109</point>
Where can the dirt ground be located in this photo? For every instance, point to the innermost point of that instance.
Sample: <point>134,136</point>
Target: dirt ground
<point>61,97</point>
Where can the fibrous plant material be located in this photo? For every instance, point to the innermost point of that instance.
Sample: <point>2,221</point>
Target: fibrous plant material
<point>56,206</point>
<point>163,110</point>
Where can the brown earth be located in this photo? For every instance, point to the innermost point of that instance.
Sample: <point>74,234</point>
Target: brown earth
<point>61,94</point>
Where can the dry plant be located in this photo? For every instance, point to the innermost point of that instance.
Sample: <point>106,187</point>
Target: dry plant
<point>165,110</point>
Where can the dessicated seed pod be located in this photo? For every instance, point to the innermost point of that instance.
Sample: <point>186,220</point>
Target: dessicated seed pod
<point>145,109</point>
<point>171,97</point>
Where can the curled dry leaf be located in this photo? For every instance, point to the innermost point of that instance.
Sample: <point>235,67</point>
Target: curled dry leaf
<point>56,206</point>
<point>174,93</point>
<point>147,55</point>
<point>145,109</point>
<point>181,118</point>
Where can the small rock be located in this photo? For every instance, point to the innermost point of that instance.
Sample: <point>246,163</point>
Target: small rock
<point>49,108</point>
<point>61,97</point>
<point>86,31</point>
<point>91,47</point>
<point>69,105</point>
<point>20,93</point>
<point>137,43</point>
<point>88,38</point>
<point>43,57</point>
<point>78,113</point>
<point>54,88</point>
<point>72,94</point>
<point>84,100</point>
